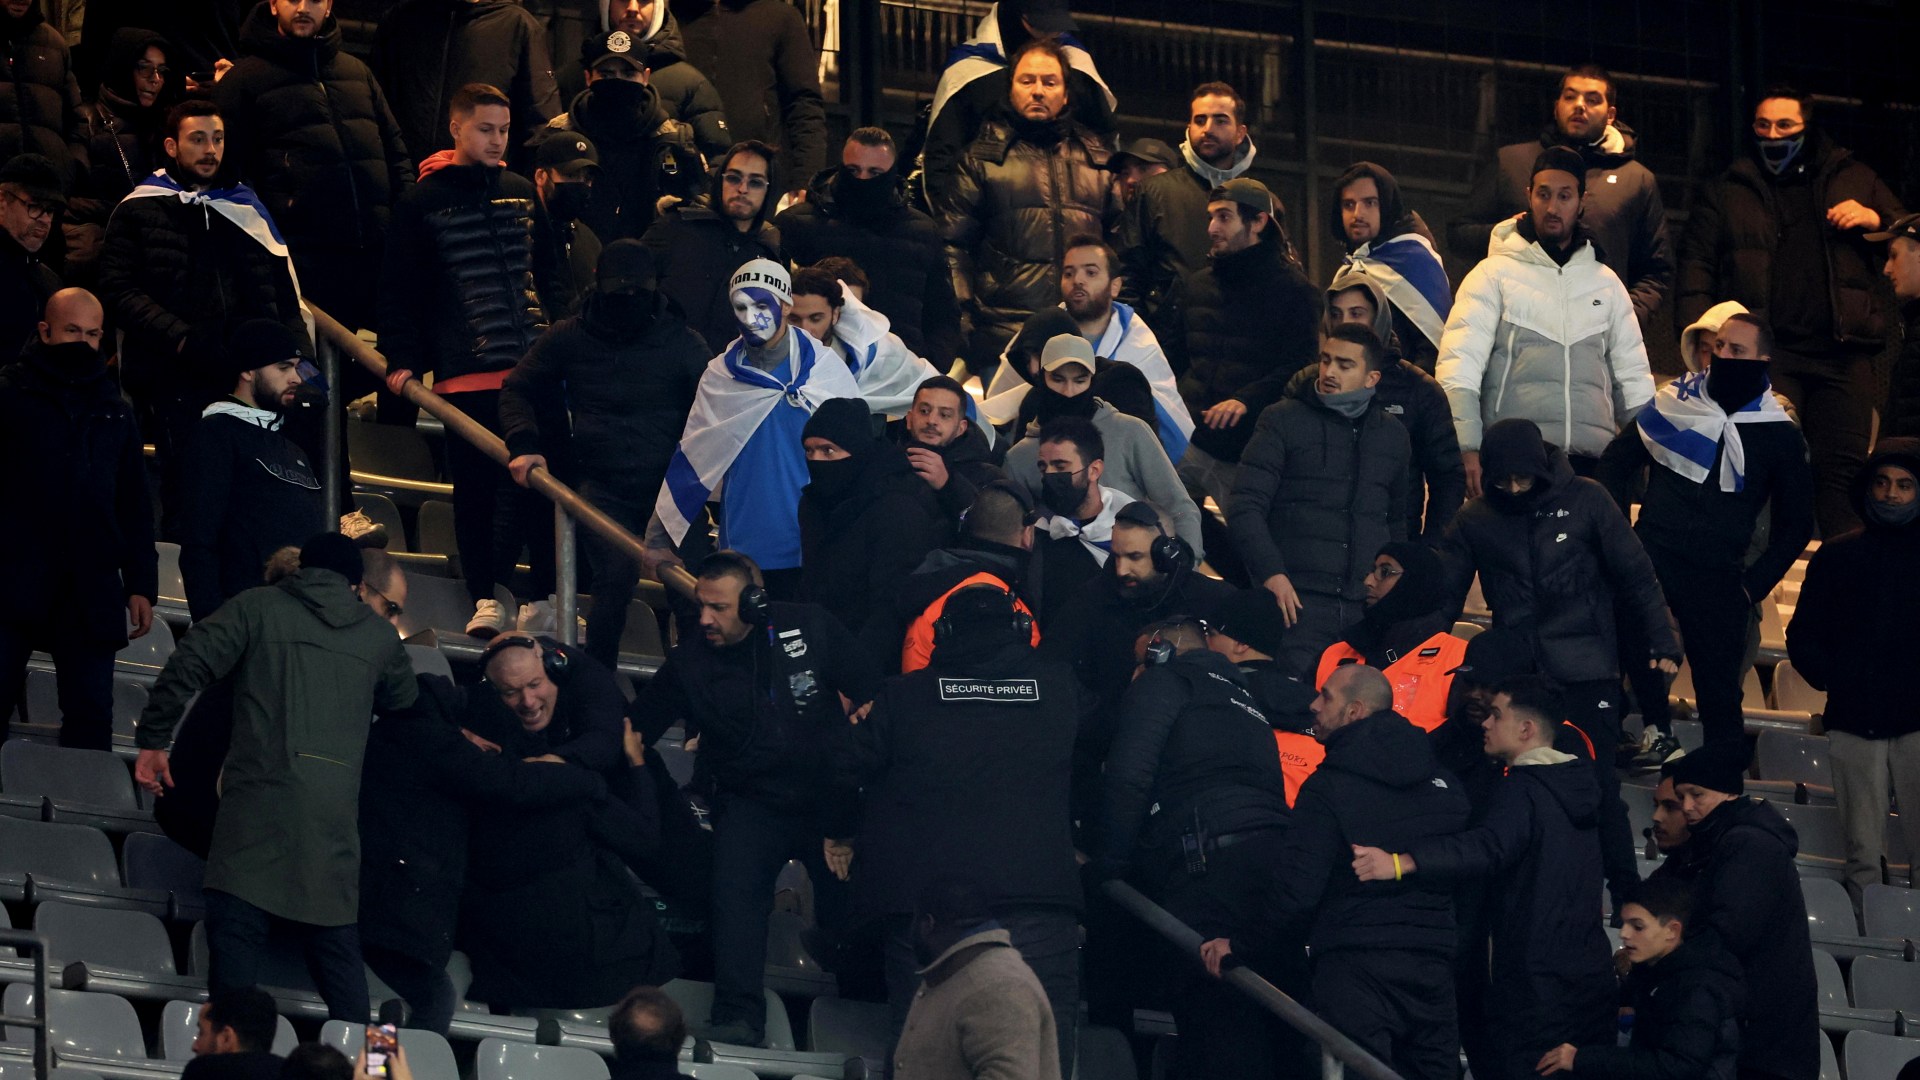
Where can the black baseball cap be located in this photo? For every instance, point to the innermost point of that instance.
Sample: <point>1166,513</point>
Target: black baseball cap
<point>566,151</point>
<point>38,176</point>
<point>1146,152</point>
<point>624,266</point>
<point>617,44</point>
<point>1908,227</point>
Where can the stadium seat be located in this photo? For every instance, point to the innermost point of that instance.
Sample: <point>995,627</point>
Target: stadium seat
<point>441,605</point>
<point>1829,1061</point>
<point>129,941</point>
<point>716,1071</point>
<point>381,511</point>
<point>1691,733</point>
<point>88,787</point>
<point>284,974</point>
<point>148,654</point>
<point>49,860</point>
<point>1467,631</point>
<point>129,701</point>
<point>1870,1056</point>
<point>1837,1014</point>
<point>389,451</point>
<point>428,660</point>
<point>21,1068</point>
<point>1823,840</point>
<point>153,861</point>
<point>859,1029</point>
<point>1829,909</point>
<point>791,969</point>
<point>1104,1055</point>
<point>435,529</point>
<point>1752,696</point>
<point>1779,755</point>
<point>173,589</point>
<point>641,638</point>
<point>1790,691</point>
<point>1881,983</point>
<point>1891,912</point>
<point>179,1020</point>
<point>696,1000</point>
<point>428,1055</point>
<point>95,1032</point>
<point>498,1059</point>
<point>43,696</point>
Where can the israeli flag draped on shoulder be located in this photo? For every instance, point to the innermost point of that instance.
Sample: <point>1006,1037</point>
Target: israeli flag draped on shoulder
<point>733,399</point>
<point>1096,535</point>
<point>237,204</point>
<point>1684,429</point>
<point>1128,340</point>
<point>886,370</point>
<point>984,53</point>
<point>1408,268</point>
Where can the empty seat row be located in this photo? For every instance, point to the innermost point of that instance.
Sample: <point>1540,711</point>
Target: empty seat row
<point>41,860</point>
<point>58,783</point>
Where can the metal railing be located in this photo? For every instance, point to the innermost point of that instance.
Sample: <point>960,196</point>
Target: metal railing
<point>37,1023</point>
<point>1337,1052</point>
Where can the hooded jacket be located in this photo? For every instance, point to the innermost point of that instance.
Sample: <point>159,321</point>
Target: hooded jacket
<point>685,93</point>
<point>897,245</point>
<point>426,50</point>
<point>62,418</point>
<point>1436,479</point>
<point>313,135</point>
<point>860,545</point>
<point>1248,320</point>
<point>1557,345</point>
<point>1163,240</point>
<point>309,664</point>
<point>1022,191</point>
<point>903,637</point>
<point>1551,567</point>
<point>40,99</point>
<point>1860,594</point>
<point>1747,901</point>
<point>249,492</point>
<point>1380,786</point>
<point>1395,221</point>
<point>1734,232</point>
<point>1621,211</point>
<point>123,139</point>
<point>1539,845</point>
<point>760,54</point>
<point>645,154</point>
<point>1317,494</point>
<point>1686,1021</point>
<point>1136,466</point>
<point>697,249</point>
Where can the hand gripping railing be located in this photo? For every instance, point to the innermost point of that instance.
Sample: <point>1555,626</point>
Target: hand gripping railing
<point>1337,1052</point>
<point>37,1023</point>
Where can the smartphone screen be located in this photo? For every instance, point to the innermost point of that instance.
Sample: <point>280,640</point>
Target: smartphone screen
<point>383,1040</point>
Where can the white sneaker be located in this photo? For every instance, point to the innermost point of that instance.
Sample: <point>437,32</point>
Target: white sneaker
<point>537,617</point>
<point>489,618</point>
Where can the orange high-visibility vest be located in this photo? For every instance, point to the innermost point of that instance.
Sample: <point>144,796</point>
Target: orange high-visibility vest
<point>1299,755</point>
<point>1421,678</point>
<point>918,647</point>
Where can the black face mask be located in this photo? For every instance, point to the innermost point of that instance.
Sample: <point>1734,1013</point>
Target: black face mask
<point>568,200</point>
<point>1063,493</point>
<point>864,197</point>
<point>620,314</point>
<point>76,359</point>
<point>833,480</point>
<point>617,97</point>
<point>1734,383</point>
<point>1049,403</point>
<point>1508,502</point>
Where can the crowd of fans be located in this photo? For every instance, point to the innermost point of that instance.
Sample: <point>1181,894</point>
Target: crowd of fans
<point>1169,598</point>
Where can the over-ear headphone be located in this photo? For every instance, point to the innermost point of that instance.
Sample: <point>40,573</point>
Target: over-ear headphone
<point>1020,621</point>
<point>554,660</point>
<point>1159,650</point>
<point>1169,553</point>
<point>755,606</point>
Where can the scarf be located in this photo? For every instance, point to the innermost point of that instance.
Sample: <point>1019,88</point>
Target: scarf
<point>1215,177</point>
<point>1408,269</point>
<point>237,204</point>
<point>1096,534</point>
<point>1684,428</point>
<point>240,410</point>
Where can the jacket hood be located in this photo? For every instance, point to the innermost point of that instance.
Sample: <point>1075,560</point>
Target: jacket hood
<point>1385,748</point>
<point>1572,784</point>
<point>327,595</point>
<point>129,47</point>
<point>1395,218</point>
<point>1514,239</point>
<point>1748,813</point>
<point>1211,663</point>
<point>592,116</point>
<point>260,36</point>
<point>972,554</point>
<point>1353,278</point>
<point>1710,322</point>
<point>1902,452</point>
<point>1516,448</point>
<point>663,33</point>
<point>1033,335</point>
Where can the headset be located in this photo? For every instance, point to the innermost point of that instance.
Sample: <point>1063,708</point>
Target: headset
<point>1170,554</point>
<point>554,661</point>
<point>1021,622</point>
<point>1159,650</point>
<point>755,606</point>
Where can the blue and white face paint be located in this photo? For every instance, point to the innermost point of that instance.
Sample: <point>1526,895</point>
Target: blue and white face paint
<point>759,313</point>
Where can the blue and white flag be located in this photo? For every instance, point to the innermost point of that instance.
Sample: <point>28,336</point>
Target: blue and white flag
<point>733,401</point>
<point>1096,535</point>
<point>1128,340</point>
<point>237,204</point>
<point>984,53</point>
<point>888,372</point>
<point>1410,271</point>
<point>1684,430</point>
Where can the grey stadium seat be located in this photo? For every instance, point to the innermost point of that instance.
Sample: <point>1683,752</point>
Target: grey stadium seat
<point>181,1019</point>
<point>390,450</point>
<point>716,1071</point>
<point>1890,911</point>
<point>91,785</point>
<point>99,1027</point>
<point>860,1029</point>
<point>1836,1014</point>
<point>149,653</point>
<point>1781,755</point>
<point>381,511</point>
<point>428,1055</point>
<point>68,862</point>
<point>1881,983</point>
<point>1822,837</point>
<point>21,1068</point>
<point>1878,1057</point>
<point>428,660</point>
<point>154,861</point>
<point>498,1059</point>
<point>1829,908</point>
<point>130,941</point>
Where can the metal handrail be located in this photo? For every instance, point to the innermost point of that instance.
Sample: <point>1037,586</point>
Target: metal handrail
<point>1337,1051</point>
<point>37,1023</point>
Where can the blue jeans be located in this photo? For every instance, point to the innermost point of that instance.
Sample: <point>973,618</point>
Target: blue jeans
<point>237,935</point>
<point>751,842</point>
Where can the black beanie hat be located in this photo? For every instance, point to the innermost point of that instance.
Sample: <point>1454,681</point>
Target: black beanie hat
<point>1252,618</point>
<point>259,343</point>
<point>332,551</point>
<point>1513,448</point>
<point>1720,765</point>
<point>1496,655</point>
<point>1422,581</point>
<point>845,422</point>
<point>1560,159</point>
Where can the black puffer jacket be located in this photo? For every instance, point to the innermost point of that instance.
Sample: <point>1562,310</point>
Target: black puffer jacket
<point>39,97</point>
<point>123,139</point>
<point>61,412</point>
<point>1023,190</point>
<point>697,251</point>
<point>951,130</point>
<point>684,90</point>
<point>1686,1021</point>
<point>1163,241</point>
<point>1539,846</point>
<point>1317,494</point>
<point>859,549</point>
<point>1860,594</point>
<point>171,272</point>
<point>761,57</point>
<point>1734,231</point>
<point>644,154</point>
<point>1225,352</point>
<point>1551,571</point>
<point>627,394</point>
<point>900,249</point>
<point>1747,900</point>
<point>310,130</point>
<point>1380,786</point>
<point>1189,739</point>
<point>426,50</point>
<point>465,288</point>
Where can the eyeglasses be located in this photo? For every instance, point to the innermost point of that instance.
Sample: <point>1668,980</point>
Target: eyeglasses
<point>1385,572</point>
<point>38,211</point>
<point>1784,127</point>
<point>752,182</point>
<point>145,68</point>
<point>391,611</point>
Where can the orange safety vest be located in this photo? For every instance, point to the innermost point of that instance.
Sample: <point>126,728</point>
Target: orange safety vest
<point>1300,754</point>
<point>1421,679</point>
<point>918,647</point>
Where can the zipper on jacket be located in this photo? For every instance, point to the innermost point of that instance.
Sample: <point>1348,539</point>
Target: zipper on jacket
<point>1566,365</point>
<point>321,757</point>
<point>1506,377</point>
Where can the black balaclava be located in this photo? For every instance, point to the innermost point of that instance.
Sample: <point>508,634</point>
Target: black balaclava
<point>1733,383</point>
<point>846,423</point>
<point>1420,592</point>
<point>864,199</point>
<point>1513,448</point>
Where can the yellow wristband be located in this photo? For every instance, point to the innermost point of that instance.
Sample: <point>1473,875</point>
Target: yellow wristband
<point>1396,866</point>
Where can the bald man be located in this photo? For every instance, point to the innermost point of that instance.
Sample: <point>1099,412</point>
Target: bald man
<point>1383,951</point>
<point>83,575</point>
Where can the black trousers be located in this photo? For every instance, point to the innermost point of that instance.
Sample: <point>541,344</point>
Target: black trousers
<point>1713,611</point>
<point>615,573</point>
<point>1398,1005</point>
<point>1595,708</point>
<point>237,933</point>
<point>493,517</point>
<point>85,681</point>
<point>1834,396</point>
<point>425,987</point>
<point>1048,939</point>
<point>170,423</point>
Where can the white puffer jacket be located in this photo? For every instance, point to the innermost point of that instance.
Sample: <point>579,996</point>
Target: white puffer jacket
<point>1557,345</point>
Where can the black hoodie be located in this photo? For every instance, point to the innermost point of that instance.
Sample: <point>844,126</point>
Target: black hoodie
<point>859,547</point>
<point>684,91</point>
<point>1862,594</point>
<point>1686,1021</point>
<point>697,249</point>
<point>644,155</point>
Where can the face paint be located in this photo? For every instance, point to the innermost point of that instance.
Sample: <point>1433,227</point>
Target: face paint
<point>758,313</point>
